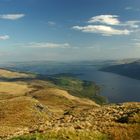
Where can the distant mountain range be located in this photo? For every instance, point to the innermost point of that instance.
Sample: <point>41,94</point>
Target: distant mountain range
<point>127,68</point>
<point>54,67</point>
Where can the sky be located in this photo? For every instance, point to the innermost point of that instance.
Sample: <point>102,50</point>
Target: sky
<point>69,30</point>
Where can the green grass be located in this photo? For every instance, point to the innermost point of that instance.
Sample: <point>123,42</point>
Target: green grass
<point>65,135</point>
<point>79,88</point>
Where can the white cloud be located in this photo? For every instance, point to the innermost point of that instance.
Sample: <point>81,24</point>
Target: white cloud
<point>108,25</point>
<point>105,19</point>
<point>128,8</point>
<point>48,45</point>
<point>12,16</point>
<point>131,23</point>
<point>104,30</point>
<point>132,8</point>
<point>113,20</point>
<point>4,37</point>
<point>51,23</point>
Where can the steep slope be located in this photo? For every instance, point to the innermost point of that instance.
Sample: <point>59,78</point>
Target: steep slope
<point>79,88</point>
<point>21,115</point>
<point>110,122</point>
<point>26,104</point>
<point>129,69</point>
<point>58,100</point>
<point>59,108</point>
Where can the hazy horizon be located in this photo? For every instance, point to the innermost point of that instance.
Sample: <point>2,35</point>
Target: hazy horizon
<point>69,61</point>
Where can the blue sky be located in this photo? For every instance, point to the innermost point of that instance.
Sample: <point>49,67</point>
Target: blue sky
<point>69,29</point>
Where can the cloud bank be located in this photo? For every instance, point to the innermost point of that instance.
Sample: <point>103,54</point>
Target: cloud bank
<point>48,45</point>
<point>4,37</point>
<point>108,25</point>
<point>101,29</point>
<point>105,19</point>
<point>12,16</point>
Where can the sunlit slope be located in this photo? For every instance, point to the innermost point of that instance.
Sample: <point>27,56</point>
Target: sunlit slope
<point>13,89</point>
<point>11,74</point>
<point>21,114</point>
<point>109,122</point>
<point>59,100</point>
<point>61,107</point>
<point>45,91</point>
<point>26,105</point>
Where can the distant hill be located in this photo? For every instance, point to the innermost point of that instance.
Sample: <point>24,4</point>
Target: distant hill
<point>4,73</point>
<point>131,70</point>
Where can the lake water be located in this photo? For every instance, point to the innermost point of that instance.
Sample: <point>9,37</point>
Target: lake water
<point>115,87</point>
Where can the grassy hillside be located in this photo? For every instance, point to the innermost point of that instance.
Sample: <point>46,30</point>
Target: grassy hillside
<point>62,108</point>
<point>13,89</point>
<point>20,115</point>
<point>12,74</point>
<point>111,122</point>
<point>79,88</point>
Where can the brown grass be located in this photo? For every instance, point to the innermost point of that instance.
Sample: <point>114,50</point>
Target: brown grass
<point>124,131</point>
<point>59,100</point>
<point>11,74</point>
<point>21,112</point>
<point>13,89</point>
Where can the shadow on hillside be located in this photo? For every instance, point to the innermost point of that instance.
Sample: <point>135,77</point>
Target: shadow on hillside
<point>26,79</point>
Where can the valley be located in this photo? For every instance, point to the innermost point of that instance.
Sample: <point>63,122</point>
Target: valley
<point>114,87</point>
<point>61,107</point>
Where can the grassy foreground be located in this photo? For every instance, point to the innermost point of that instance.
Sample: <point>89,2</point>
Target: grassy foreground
<point>65,135</point>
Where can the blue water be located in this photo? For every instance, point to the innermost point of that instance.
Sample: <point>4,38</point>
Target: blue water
<point>115,87</point>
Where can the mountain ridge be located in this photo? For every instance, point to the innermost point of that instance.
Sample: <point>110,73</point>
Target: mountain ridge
<point>127,69</point>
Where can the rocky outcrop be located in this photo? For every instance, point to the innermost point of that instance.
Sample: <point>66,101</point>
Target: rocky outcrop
<point>118,121</point>
<point>113,120</point>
